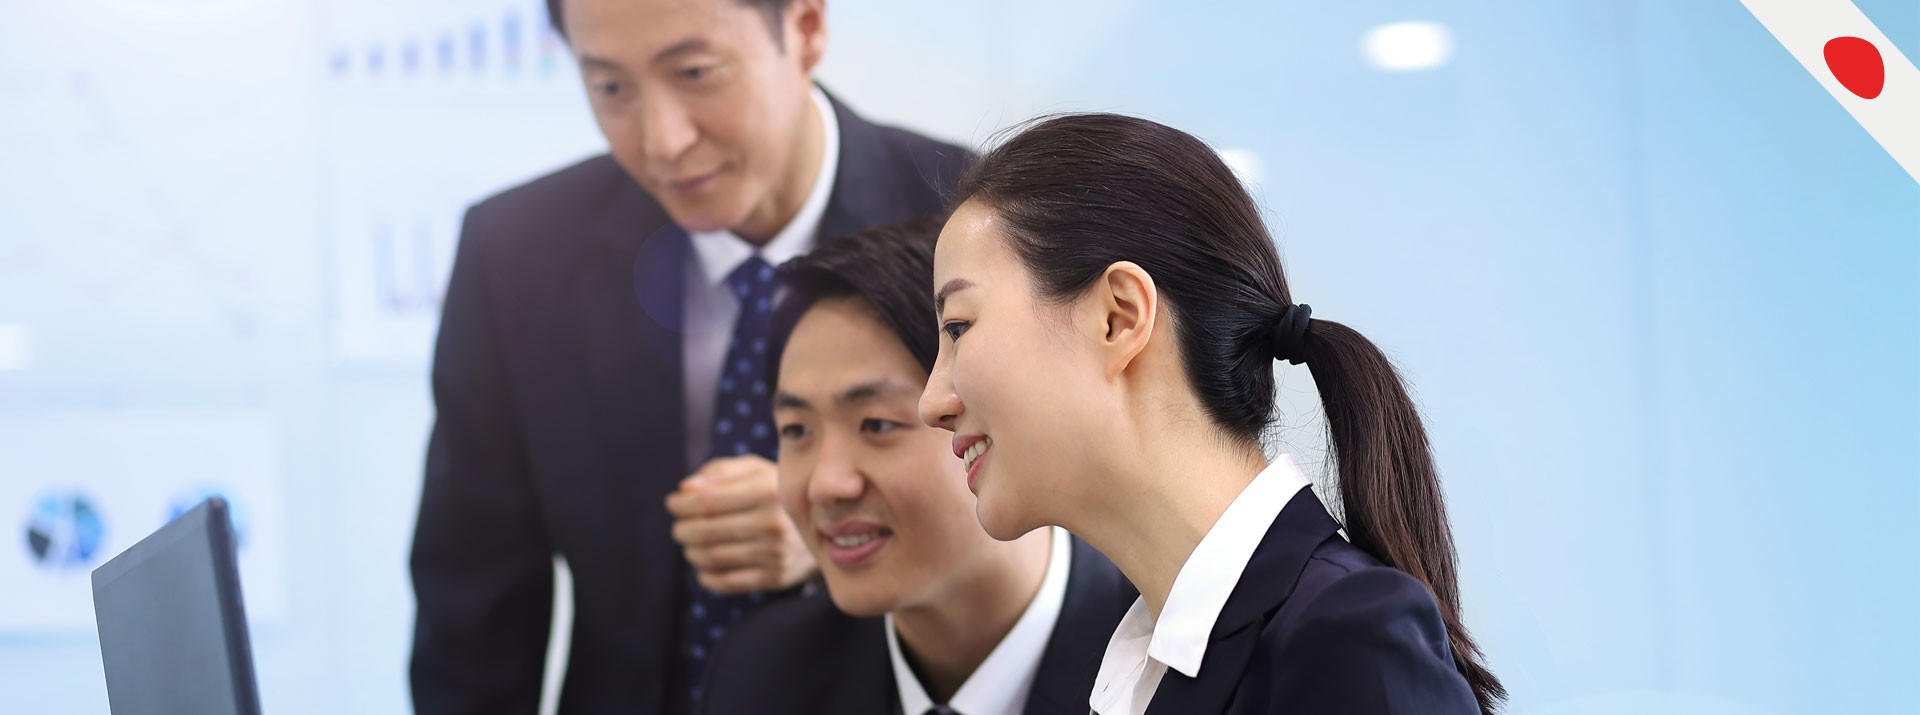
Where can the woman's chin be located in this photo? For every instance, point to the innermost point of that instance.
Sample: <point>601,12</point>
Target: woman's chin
<point>1001,523</point>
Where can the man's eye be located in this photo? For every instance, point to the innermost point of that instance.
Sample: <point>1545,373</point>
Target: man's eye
<point>793,431</point>
<point>694,73</point>
<point>878,426</point>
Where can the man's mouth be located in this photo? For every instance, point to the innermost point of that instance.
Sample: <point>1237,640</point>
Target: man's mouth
<point>853,544</point>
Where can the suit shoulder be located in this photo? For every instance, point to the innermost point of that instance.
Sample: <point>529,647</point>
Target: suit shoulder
<point>784,637</point>
<point>793,651</point>
<point>1344,590</point>
<point>1360,636</point>
<point>1340,566</point>
<point>1341,586</point>
<point>805,617</point>
<point>1337,556</point>
<point>532,211</point>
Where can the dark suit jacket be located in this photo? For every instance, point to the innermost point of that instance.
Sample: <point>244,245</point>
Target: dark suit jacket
<point>558,383</point>
<point>805,656</point>
<point>1318,626</point>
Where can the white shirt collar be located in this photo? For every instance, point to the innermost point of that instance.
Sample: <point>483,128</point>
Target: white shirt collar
<point>1205,581</point>
<point>717,253</point>
<point>1001,684</point>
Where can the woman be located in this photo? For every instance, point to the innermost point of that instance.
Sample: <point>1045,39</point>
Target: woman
<point>1110,306</point>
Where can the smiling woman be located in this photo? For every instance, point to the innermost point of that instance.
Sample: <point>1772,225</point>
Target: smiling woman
<point>1111,306</point>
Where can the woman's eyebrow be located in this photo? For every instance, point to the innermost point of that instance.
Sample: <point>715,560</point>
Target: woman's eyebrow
<point>953,286</point>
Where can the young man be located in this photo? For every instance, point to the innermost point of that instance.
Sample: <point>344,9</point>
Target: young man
<point>586,376</point>
<point>923,611</point>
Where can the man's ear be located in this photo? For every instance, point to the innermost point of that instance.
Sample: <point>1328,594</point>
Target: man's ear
<point>1120,311</point>
<point>806,27</point>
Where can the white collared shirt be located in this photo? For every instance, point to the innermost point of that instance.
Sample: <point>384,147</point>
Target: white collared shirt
<point>1142,650</point>
<point>711,309</point>
<point>1001,684</point>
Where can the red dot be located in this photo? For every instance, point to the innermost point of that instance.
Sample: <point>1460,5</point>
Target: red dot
<point>1857,64</point>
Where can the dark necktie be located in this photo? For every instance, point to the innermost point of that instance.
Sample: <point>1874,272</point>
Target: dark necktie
<point>742,424</point>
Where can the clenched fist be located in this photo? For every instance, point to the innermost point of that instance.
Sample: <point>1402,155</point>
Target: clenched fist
<point>727,518</point>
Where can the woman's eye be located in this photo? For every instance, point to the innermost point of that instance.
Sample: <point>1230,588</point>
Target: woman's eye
<point>608,89</point>
<point>953,328</point>
<point>793,431</point>
<point>878,426</point>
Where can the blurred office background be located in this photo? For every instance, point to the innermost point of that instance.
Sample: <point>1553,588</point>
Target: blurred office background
<point>1659,295</point>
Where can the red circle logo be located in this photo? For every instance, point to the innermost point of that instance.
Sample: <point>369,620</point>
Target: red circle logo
<point>1857,64</point>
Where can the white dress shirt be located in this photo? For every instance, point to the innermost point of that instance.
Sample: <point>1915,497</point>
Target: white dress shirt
<point>1141,649</point>
<point>711,309</point>
<point>1001,683</point>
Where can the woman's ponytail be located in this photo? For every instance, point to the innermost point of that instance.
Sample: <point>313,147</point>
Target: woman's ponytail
<point>1390,498</point>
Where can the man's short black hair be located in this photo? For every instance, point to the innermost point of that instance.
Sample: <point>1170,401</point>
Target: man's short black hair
<point>889,267</point>
<point>773,10</point>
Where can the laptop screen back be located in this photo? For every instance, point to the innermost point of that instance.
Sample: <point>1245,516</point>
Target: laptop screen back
<point>173,632</point>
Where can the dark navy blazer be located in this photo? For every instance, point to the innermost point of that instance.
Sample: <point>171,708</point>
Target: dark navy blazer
<point>1318,626</point>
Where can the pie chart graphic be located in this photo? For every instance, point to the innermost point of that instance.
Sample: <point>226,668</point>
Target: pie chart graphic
<point>64,531</point>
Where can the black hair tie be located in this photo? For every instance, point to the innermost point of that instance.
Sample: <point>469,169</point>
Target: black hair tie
<point>1288,341</point>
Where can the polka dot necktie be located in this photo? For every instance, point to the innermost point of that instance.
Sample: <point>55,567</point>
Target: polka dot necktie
<point>742,424</point>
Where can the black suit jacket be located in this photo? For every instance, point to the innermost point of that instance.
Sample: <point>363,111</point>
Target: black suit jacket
<point>1318,626</point>
<point>805,656</point>
<point>558,384</point>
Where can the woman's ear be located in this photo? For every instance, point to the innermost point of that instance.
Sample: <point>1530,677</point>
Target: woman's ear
<point>1121,310</point>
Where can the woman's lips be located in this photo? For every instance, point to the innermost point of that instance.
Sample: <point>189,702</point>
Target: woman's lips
<point>974,474</point>
<point>973,451</point>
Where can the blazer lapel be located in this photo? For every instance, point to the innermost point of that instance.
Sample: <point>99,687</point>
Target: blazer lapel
<point>1269,578</point>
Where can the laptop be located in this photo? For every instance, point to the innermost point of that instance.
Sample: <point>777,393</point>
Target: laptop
<point>173,632</point>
